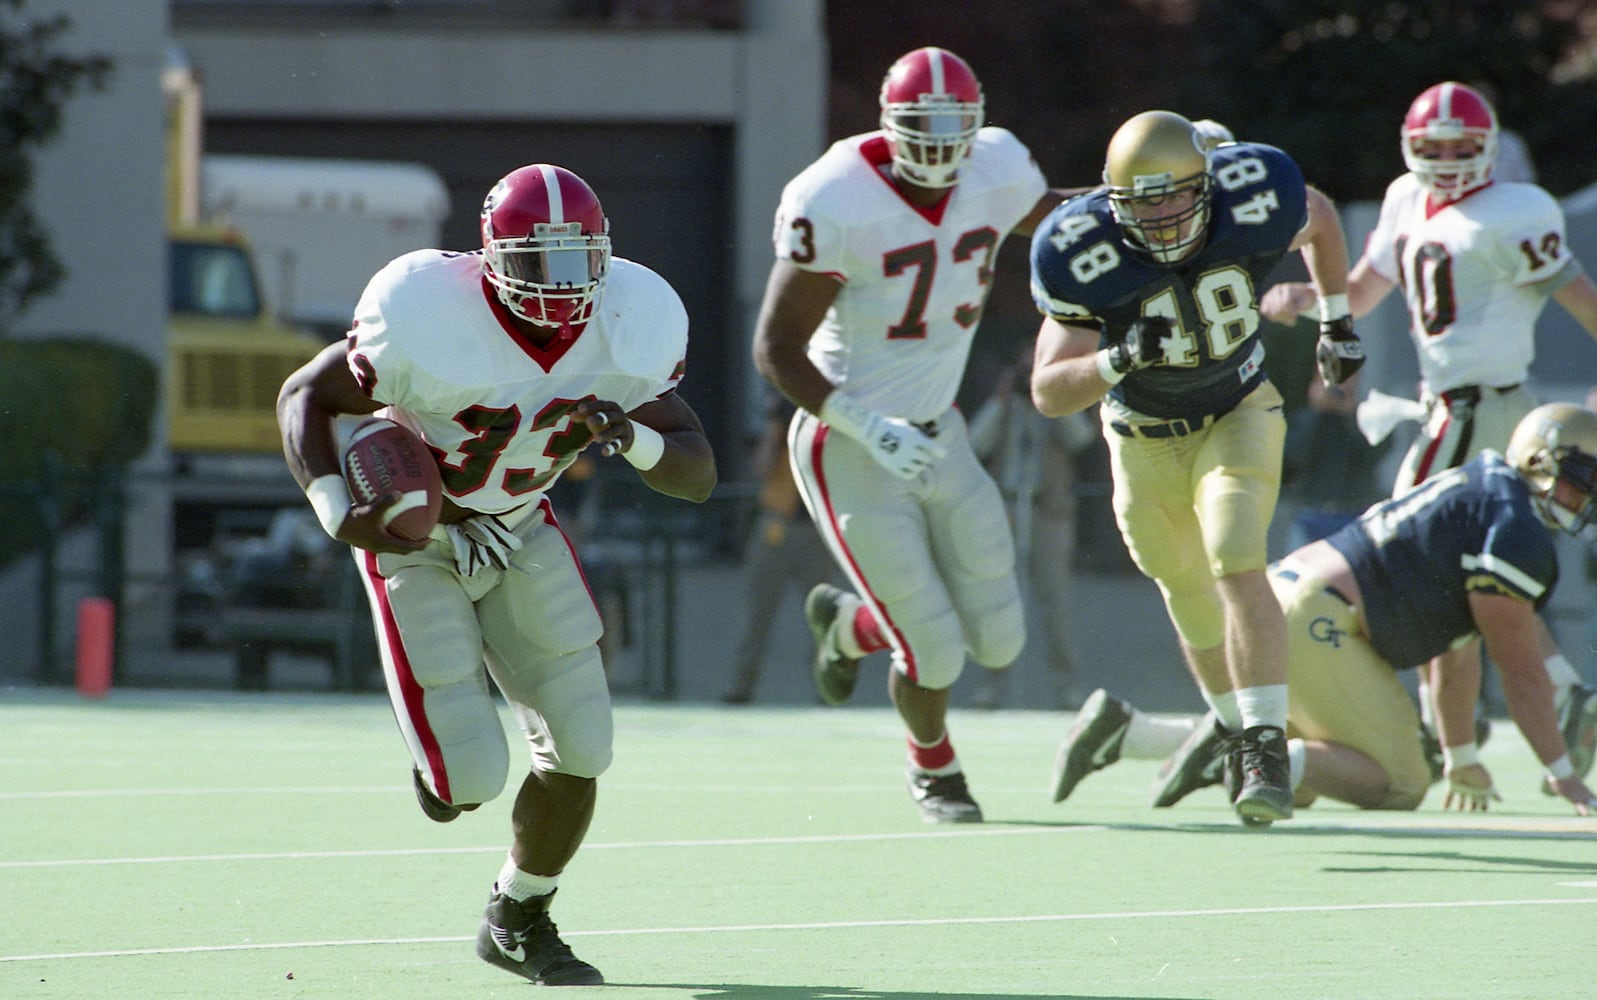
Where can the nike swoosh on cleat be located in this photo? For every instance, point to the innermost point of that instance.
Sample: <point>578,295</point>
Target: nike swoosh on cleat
<point>503,941</point>
<point>1100,756</point>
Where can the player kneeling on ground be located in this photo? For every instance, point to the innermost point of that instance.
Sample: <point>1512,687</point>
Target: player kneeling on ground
<point>1467,552</point>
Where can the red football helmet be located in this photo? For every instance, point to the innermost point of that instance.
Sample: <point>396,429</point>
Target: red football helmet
<point>546,245</point>
<point>931,109</point>
<point>1450,111</point>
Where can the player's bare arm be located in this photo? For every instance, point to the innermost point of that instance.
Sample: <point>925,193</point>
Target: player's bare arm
<point>684,466</point>
<point>1046,204</point>
<point>1324,246</point>
<point>795,303</point>
<point>307,405</point>
<point>1065,378</point>
<point>1508,625</point>
<point>1579,297</point>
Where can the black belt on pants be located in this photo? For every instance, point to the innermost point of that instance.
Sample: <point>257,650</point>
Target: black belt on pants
<point>1472,394</point>
<point>1291,575</point>
<point>1179,427</point>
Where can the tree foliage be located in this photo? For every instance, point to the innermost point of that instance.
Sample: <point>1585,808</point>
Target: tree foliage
<point>1330,80</point>
<point>36,80</point>
<point>1326,80</point>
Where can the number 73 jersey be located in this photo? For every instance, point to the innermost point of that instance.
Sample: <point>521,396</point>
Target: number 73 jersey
<point>1084,272</point>
<point>914,280</point>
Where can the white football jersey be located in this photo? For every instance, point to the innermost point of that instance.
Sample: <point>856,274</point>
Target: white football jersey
<point>1475,274</point>
<point>432,341</point>
<point>914,280</point>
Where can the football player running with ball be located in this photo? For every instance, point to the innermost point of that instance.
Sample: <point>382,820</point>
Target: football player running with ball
<point>885,249</point>
<point>508,362</point>
<point>1147,286</point>
<point>1477,260</point>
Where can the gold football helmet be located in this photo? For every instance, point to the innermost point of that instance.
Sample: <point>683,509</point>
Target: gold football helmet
<point>1159,185</point>
<point>1556,445</point>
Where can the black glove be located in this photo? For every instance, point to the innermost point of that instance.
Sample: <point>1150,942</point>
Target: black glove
<point>1339,353</point>
<point>1143,344</point>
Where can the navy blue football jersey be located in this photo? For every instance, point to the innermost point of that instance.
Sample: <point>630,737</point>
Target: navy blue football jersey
<point>1419,556</point>
<point>1084,272</point>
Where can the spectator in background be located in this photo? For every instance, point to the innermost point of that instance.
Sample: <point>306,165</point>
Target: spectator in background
<point>783,548</point>
<point>1032,458</point>
<point>1328,468</point>
<point>1514,161</point>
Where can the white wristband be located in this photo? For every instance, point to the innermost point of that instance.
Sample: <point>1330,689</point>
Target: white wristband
<point>1561,768</point>
<point>1334,307</point>
<point>1462,755</point>
<point>648,445</point>
<point>1106,369</point>
<point>329,497</point>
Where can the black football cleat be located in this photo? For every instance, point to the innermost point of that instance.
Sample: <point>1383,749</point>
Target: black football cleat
<point>519,937</point>
<point>835,674</point>
<point>436,808</point>
<point>943,798</point>
<point>1265,794</point>
<point>1199,762</point>
<point>1093,742</point>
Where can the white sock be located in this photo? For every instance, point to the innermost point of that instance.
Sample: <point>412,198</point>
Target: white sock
<point>843,627</point>
<point>520,885</point>
<point>1264,705</point>
<point>1296,755</point>
<point>1562,673</point>
<point>1225,706</point>
<point>1150,737</point>
<point>1427,709</point>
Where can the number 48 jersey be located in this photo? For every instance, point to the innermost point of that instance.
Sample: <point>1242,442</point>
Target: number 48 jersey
<point>1085,273</point>
<point>914,280</point>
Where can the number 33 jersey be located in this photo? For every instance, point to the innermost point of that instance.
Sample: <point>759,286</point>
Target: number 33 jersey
<point>432,341</point>
<point>914,280</point>
<point>1474,275</point>
<point>1083,272</point>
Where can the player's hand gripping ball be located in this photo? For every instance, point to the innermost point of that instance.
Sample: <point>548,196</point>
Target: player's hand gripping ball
<point>384,457</point>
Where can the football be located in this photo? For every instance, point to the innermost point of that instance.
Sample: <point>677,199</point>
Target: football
<point>383,457</point>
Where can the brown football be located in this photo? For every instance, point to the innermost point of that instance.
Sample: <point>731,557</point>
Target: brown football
<point>384,457</point>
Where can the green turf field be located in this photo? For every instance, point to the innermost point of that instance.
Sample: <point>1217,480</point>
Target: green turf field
<point>217,845</point>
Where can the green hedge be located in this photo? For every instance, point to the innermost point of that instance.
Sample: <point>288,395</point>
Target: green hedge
<point>89,402</point>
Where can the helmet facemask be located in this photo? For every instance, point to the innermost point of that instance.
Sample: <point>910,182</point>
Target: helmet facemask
<point>1576,472</point>
<point>930,139</point>
<point>555,277</point>
<point>1158,216</point>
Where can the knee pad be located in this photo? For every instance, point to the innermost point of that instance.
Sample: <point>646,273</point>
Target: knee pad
<point>565,714</point>
<point>458,741</point>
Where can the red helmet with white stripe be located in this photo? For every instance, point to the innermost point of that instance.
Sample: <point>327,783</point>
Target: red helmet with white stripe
<point>546,245</point>
<point>931,109</point>
<point>1450,140</point>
